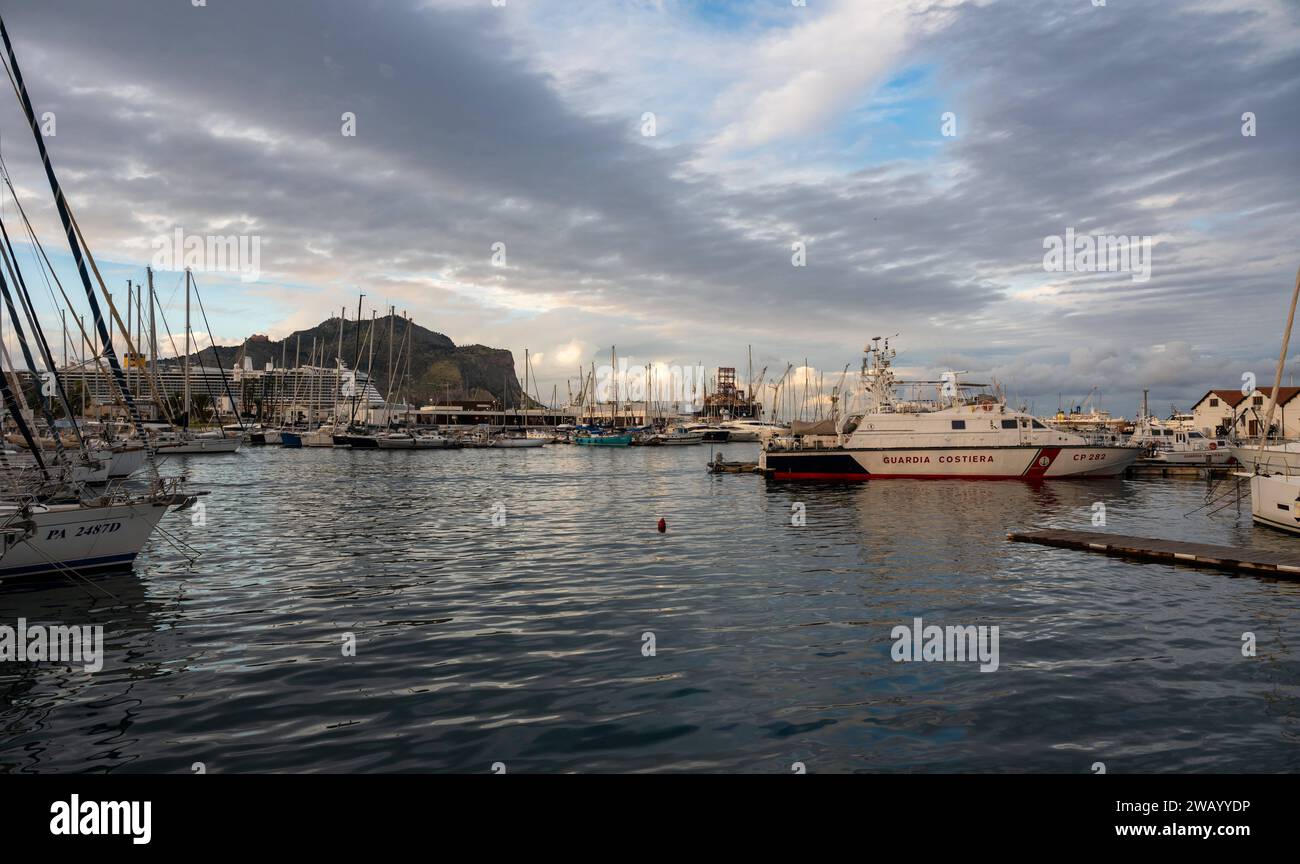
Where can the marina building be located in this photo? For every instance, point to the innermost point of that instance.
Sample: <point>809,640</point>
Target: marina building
<point>1227,412</point>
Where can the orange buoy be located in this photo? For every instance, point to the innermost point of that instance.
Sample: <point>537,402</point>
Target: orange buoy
<point>663,526</point>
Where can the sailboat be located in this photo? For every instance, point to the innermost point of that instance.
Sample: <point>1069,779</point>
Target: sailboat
<point>1274,487</point>
<point>182,441</point>
<point>52,526</point>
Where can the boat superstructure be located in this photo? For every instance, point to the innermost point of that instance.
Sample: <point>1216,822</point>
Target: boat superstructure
<point>1177,444</point>
<point>954,435</point>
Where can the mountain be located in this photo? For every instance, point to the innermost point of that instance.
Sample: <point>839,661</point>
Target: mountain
<point>439,369</point>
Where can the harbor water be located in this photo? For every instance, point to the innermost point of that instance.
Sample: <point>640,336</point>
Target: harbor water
<point>519,609</point>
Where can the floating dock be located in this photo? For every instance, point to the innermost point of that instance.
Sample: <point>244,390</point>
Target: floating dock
<point>1259,562</point>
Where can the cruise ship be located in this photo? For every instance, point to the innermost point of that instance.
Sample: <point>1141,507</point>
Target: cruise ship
<point>952,436</point>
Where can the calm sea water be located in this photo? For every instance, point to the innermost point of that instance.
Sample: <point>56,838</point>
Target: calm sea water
<point>524,643</point>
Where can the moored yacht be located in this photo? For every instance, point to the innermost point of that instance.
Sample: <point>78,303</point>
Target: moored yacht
<point>1178,445</point>
<point>321,436</point>
<point>956,436</point>
<point>678,435</point>
<point>749,429</point>
<point>184,442</point>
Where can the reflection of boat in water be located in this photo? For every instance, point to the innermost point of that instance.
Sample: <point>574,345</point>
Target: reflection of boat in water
<point>956,435</point>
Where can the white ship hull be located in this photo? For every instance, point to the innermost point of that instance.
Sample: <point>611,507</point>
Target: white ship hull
<point>322,437</point>
<point>1194,457</point>
<point>72,537</point>
<point>93,472</point>
<point>201,445</point>
<point>1274,458</point>
<point>1027,462</point>
<point>680,440</point>
<point>124,462</point>
<point>517,442</point>
<point>1275,501</point>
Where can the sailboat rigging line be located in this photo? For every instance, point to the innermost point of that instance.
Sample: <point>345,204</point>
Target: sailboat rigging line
<point>73,232</point>
<point>70,573</point>
<point>388,397</point>
<point>20,288</point>
<point>188,552</point>
<point>49,268</point>
<point>16,413</point>
<point>212,343</point>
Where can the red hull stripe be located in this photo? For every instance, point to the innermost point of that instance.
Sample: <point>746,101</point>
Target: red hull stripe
<point>1043,460</point>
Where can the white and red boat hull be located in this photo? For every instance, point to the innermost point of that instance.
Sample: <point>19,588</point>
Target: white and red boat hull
<point>1027,462</point>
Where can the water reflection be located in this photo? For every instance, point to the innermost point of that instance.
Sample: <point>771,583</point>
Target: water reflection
<point>523,643</point>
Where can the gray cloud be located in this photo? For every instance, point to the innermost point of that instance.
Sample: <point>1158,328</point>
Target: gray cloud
<point>1119,119</point>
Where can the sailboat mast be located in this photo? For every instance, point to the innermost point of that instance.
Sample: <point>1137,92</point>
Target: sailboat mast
<point>338,364</point>
<point>1281,363</point>
<point>186,364</point>
<point>153,326</point>
<point>126,352</point>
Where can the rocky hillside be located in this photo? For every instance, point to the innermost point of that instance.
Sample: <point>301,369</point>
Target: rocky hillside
<point>439,368</point>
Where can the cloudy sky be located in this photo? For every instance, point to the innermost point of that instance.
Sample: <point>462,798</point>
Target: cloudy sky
<point>649,166</point>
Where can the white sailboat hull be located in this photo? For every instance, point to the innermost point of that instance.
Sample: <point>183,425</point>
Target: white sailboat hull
<point>1274,458</point>
<point>323,437</point>
<point>201,445</point>
<point>124,462</point>
<point>96,471</point>
<point>63,537</point>
<point>1275,501</point>
<point>517,442</point>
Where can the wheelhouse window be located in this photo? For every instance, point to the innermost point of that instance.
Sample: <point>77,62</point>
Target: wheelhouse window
<point>1038,425</point>
<point>959,424</point>
<point>1009,424</point>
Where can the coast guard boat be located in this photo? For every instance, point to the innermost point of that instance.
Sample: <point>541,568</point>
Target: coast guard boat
<point>952,436</point>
